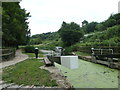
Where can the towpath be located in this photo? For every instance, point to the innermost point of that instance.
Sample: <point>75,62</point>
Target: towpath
<point>18,58</point>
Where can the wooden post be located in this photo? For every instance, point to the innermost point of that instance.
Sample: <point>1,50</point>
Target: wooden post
<point>94,59</point>
<point>110,62</point>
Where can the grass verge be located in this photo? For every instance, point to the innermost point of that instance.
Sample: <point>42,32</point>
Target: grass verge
<point>33,54</point>
<point>28,73</point>
<point>82,53</point>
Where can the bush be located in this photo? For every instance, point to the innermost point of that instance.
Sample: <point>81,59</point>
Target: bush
<point>29,49</point>
<point>67,52</point>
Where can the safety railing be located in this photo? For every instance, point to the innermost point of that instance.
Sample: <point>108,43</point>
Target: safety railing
<point>102,51</point>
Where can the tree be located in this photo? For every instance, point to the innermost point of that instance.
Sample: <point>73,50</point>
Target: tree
<point>100,27</point>
<point>35,41</point>
<point>114,19</point>
<point>70,33</point>
<point>84,23</point>
<point>117,18</point>
<point>14,25</point>
<point>90,27</point>
<point>110,22</point>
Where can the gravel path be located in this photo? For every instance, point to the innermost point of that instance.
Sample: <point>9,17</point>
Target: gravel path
<point>18,58</point>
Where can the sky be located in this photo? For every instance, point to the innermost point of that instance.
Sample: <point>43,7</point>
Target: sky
<point>48,15</point>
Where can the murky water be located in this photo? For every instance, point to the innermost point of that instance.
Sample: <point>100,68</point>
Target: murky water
<point>90,75</point>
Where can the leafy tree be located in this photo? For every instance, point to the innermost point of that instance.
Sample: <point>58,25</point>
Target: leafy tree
<point>110,36</point>
<point>84,23</point>
<point>113,32</point>
<point>117,18</point>
<point>14,25</point>
<point>90,27</point>
<point>100,27</point>
<point>114,19</point>
<point>46,36</point>
<point>110,22</point>
<point>35,41</point>
<point>70,33</point>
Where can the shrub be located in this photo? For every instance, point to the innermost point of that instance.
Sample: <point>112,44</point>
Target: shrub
<point>68,51</point>
<point>29,49</point>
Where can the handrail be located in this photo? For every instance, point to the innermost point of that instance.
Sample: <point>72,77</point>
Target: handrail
<point>101,50</point>
<point>7,54</point>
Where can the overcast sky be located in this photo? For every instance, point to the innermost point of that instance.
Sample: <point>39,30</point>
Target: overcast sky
<point>48,15</point>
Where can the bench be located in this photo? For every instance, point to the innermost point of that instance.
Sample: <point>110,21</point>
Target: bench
<point>47,62</point>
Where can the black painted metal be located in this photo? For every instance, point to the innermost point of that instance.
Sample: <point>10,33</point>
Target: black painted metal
<point>108,55</point>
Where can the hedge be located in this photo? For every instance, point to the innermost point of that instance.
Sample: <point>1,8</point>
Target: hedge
<point>29,49</point>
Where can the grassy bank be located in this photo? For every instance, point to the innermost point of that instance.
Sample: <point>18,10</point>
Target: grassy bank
<point>82,53</point>
<point>28,73</point>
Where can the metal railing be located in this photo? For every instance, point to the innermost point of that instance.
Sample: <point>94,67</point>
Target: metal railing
<point>102,51</point>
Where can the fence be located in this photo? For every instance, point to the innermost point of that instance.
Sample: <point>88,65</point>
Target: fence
<point>7,54</point>
<point>87,49</point>
<point>102,51</point>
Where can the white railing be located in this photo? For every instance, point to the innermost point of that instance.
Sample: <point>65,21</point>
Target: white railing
<point>101,51</point>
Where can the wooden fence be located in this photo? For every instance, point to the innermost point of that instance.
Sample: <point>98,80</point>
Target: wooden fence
<point>7,54</point>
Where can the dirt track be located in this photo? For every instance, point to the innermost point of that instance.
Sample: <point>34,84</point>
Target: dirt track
<point>18,58</point>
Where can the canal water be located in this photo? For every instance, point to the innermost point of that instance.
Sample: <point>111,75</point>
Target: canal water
<point>91,75</point>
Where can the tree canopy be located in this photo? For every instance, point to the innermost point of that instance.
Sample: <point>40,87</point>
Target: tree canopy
<point>14,24</point>
<point>97,33</point>
<point>114,19</point>
<point>90,27</point>
<point>85,22</point>
<point>70,33</point>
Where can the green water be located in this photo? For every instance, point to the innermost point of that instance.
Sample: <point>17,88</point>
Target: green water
<point>90,75</point>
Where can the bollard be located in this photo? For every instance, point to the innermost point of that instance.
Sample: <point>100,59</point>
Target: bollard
<point>36,52</point>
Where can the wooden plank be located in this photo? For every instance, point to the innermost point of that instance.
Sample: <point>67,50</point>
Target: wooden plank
<point>25,88</point>
<point>13,87</point>
<point>47,61</point>
<point>109,55</point>
<point>6,85</point>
